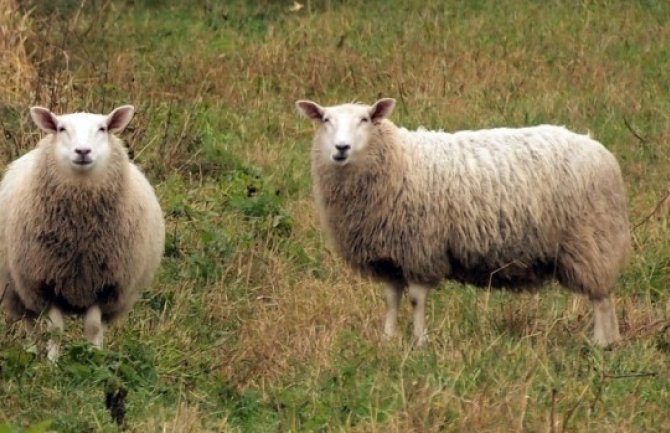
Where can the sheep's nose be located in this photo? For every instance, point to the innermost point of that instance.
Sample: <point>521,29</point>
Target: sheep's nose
<point>82,152</point>
<point>342,147</point>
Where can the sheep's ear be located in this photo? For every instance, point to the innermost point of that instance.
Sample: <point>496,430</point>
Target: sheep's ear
<point>44,119</point>
<point>310,109</point>
<point>118,119</point>
<point>381,109</point>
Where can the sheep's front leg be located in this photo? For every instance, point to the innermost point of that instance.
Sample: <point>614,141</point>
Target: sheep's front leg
<point>93,327</point>
<point>417,296</point>
<point>393,297</point>
<point>56,326</point>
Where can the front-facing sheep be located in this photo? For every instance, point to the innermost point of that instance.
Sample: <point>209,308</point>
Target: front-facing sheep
<point>81,230</point>
<point>494,208</point>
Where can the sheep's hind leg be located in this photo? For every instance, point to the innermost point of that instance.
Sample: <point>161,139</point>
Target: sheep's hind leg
<point>93,327</point>
<point>605,324</point>
<point>393,293</point>
<point>417,296</point>
<point>56,326</point>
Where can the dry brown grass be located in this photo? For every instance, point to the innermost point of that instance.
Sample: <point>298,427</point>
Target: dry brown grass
<point>186,419</point>
<point>296,321</point>
<point>17,73</point>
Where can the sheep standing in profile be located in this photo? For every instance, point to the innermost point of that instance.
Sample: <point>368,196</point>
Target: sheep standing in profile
<point>495,208</point>
<point>81,230</point>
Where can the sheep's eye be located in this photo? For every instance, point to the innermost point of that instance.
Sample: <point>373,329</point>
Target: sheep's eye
<point>365,119</point>
<point>102,129</point>
<point>61,129</point>
<point>326,120</point>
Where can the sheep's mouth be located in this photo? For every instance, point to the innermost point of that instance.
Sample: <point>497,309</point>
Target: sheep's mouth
<point>340,158</point>
<point>82,162</point>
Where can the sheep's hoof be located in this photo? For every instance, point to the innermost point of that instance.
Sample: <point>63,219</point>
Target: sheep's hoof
<point>391,340</point>
<point>419,342</point>
<point>606,343</point>
<point>389,335</point>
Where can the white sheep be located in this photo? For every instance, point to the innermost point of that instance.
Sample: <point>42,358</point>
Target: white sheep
<point>81,229</point>
<point>494,208</point>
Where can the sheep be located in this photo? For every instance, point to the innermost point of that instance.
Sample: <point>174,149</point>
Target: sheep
<point>503,207</point>
<point>81,229</point>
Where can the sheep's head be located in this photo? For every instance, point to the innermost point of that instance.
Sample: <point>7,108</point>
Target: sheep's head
<point>345,130</point>
<point>82,140</point>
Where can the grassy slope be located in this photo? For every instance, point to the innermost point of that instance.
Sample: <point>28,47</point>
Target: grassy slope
<point>253,324</point>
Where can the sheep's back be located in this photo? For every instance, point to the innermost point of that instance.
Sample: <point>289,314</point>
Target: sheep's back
<point>149,245</point>
<point>509,198</point>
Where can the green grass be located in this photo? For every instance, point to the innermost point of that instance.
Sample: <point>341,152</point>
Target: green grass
<point>253,324</point>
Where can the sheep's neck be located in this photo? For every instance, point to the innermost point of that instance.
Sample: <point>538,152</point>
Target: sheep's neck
<point>57,189</point>
<point>375,179</point>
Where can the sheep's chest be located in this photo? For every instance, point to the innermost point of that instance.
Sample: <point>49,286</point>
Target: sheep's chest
<point>78,250</point>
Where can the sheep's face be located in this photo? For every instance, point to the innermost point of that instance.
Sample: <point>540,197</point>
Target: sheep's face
<point>345,130</point>
<point>82,140</point>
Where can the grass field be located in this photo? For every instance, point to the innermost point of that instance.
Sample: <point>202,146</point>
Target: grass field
<point>253,324</point>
